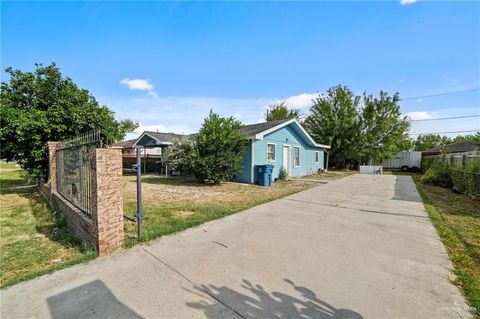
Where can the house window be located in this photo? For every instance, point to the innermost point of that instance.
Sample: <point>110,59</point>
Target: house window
<point>296,156</point>
<point>271,152</point>
<point>317,158</point>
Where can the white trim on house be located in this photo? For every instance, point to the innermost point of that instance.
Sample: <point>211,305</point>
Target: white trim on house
<point>143,134</point>
<point>260,135</point>
<point>274,152</point>
<point>158,142</point>
<point>289,164</point>
<point>294,156</point>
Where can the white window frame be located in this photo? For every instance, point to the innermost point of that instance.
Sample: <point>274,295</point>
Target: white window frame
<point>295,164</point>
<point>317,157</point>
<point>274,153</point>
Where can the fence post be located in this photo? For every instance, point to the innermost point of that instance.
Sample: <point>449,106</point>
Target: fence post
<point>52,166</point>
<point>107,194</point>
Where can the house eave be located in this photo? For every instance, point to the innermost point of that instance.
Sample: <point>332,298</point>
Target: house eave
<point>259,136</point>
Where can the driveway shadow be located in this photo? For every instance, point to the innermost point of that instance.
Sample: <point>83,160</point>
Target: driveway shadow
<point>92,300</point>
<point>256,302</point>
<point>405,189</point>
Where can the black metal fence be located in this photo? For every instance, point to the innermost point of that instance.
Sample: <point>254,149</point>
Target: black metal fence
<point>466,182</point>
<point>74,169</point>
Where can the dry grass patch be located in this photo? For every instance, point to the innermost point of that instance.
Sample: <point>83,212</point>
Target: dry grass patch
<point>171,205</point>
<point>330,175</point>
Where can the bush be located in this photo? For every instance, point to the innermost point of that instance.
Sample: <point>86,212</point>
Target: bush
<point>282,174</point>
<point>438,174</point>
<point>179,156</point>
<point>220,147</point>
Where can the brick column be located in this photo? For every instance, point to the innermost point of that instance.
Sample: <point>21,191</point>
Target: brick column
<point>52,166</point>
<point>107,196</point>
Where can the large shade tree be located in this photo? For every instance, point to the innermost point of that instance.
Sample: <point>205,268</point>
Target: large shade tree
<point>359,129</point>
<point>42,106</point>
<point>384,131</point>
<point>333,120</point>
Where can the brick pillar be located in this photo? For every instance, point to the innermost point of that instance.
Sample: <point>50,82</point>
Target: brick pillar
<point>52,166</point>
<point>107,196</point>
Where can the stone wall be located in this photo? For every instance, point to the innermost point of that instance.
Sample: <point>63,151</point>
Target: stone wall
<point>104,228</point>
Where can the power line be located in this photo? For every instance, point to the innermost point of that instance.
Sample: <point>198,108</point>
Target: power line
<point>425,133</point>
<point>439,94</point>
<point>447,118</point>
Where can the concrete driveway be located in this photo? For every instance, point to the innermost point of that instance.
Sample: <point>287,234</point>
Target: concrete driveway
<point>359,247</point>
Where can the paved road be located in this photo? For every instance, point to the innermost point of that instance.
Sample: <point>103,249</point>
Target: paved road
<point>359,247</point>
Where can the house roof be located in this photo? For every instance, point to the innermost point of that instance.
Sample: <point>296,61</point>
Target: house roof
<point>259,130</point>
<point>165,137</point>
<point>124,144</point>
<point>459,147</point>
<point>254,129</point>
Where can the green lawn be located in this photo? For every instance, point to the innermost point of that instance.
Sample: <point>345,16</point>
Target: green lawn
<point>34,240</point>
<point>457,220</point>
<point>12,176</point>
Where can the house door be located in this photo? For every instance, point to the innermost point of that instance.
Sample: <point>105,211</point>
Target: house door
<point>286,158</point>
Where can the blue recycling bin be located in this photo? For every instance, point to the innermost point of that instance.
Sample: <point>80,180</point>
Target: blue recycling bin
<point>264,175</point>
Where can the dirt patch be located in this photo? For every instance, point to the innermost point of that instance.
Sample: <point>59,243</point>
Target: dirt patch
<point>158,191</point>
<point>330,175</point>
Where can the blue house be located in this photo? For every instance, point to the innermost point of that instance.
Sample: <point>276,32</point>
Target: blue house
<point>281,143</point>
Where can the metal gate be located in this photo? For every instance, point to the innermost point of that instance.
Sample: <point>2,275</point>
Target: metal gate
<point>74,169</point>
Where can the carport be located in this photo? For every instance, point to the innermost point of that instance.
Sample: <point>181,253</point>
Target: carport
<point>157,140</point>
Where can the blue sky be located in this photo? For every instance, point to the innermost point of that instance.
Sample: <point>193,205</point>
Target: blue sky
<point>165,64</point>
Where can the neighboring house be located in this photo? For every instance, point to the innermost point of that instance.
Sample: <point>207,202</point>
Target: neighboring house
<point>281,143</point>
<point>154,143</point>
<point>454,148</point>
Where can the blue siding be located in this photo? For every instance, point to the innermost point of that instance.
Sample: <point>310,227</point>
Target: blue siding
<point>244,175</point>
<point>288,135</point>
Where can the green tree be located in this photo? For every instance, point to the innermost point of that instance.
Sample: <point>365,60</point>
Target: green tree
<point>383,128</point>
<point>428,141</point>
<point>41,106</point>
<point>334,120</point>
<point>179,155</point>
<point>281,111</point>
<point>467,138</point>
<point>220,149</point>
<point>358,134</point>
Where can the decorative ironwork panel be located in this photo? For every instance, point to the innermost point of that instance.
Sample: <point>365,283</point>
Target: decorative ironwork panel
<point>74,169</point>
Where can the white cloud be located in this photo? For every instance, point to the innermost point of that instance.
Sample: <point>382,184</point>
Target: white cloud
<point>419,115</point>
<point>140,84</point>
<point>301,101</point>
<point>406,2</point>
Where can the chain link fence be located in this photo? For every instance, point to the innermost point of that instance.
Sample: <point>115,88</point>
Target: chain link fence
<point>465,182</point>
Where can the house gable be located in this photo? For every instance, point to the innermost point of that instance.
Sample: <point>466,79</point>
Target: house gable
<point>265,129</point>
